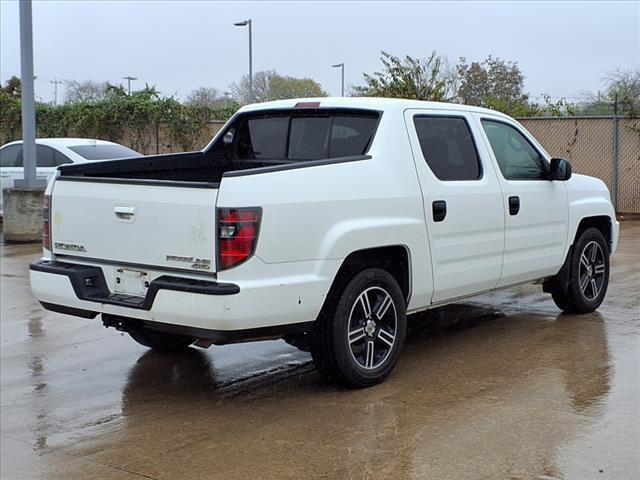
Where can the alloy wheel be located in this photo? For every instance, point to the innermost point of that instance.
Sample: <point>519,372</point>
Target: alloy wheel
<point>373,324</point>
<point>591,271</point>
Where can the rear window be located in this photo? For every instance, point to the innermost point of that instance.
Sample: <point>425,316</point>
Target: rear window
<point>298,135</point>
<point>104,152</point>
<point>263,138</point>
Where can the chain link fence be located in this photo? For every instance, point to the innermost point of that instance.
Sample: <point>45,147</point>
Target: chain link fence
<point>603,147</point>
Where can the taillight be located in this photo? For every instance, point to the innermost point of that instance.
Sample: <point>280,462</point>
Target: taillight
<point>237,235</point>
<point>46,224</point>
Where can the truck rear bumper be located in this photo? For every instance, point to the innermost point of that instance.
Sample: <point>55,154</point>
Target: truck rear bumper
<point>88,283</point>
<point>220,311</point>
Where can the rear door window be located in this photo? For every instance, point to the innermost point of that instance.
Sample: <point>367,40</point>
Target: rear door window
<point>448,147</point>
<point>45,156</point>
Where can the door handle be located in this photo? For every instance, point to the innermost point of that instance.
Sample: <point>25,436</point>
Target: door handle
<point>514,205</point>
<point>124,213</point>
<point>439,208</point>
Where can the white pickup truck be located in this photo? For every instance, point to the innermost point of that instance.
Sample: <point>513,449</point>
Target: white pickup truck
<point>323,222</point>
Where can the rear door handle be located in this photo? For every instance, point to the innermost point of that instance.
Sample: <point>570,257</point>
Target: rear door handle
<point>439,208</point>
<point>514,205</point>
<point>125,213</point>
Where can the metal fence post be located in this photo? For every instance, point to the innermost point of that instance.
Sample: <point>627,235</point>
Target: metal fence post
<point>157,138</point>
<point>614,155</point>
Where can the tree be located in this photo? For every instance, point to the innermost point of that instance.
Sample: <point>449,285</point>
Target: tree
<point>624,84</point>
<point>85,91</point>
<point>13,87</point>
<point>409,77</point>
<point>492,83</point>
<point>621,85</point>
<point>269,85</point>
<point>261,84</point>
<point>208,97</point>
<point>290,87</point>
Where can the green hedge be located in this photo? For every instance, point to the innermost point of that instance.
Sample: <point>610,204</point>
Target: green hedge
<point>111,118</point>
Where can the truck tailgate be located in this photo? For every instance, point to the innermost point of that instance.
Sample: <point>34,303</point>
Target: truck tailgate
<point>155,225</point>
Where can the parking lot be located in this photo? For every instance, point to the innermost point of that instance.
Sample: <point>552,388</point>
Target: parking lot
<point>501,386</point>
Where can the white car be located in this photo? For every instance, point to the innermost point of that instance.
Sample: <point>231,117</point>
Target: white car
<point>323,222</point>
<point>53,152</point>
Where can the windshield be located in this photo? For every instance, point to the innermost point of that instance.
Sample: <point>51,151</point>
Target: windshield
<point>296,135</point>
<point>104,152</point>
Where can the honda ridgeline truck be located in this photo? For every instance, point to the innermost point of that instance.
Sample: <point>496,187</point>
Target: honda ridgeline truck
<point>324,222</point>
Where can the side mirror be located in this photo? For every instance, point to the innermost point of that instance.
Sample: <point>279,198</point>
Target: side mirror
<point>560,169</point>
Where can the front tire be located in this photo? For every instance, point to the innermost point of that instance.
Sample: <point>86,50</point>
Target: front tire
<point>360,334</point>
<point>589,274</point>
<point>161,341</point>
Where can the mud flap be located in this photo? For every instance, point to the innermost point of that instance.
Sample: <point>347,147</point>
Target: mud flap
<point>559,283</point>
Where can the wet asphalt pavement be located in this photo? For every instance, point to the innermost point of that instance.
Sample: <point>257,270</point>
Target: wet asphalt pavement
<point>500,387</point>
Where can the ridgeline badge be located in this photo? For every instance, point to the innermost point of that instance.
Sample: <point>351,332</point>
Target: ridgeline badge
<point>196,263</point>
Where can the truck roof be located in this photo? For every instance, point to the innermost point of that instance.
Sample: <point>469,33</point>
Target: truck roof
<point>372,103</point>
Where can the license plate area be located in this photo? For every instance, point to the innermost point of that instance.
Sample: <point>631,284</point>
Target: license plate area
<point>132,282</point>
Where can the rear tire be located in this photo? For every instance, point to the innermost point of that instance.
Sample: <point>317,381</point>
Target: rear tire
<point>161,341</point>
<point>589,274</point>
<point>359,336</point>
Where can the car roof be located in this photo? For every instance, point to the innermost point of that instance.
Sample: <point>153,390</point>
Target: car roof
<point>371,103</point>
<point>66,142</point>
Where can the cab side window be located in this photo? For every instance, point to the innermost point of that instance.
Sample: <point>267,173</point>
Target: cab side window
<point>516,157</point>
<point>448,147</point>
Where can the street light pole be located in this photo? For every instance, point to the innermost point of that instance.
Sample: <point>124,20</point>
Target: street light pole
<point>128,78</point>
<point>249,24</point>
<point>28,101</point>
<point>341,65</point>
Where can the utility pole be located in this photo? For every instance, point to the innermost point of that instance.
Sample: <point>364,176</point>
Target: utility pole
<point>341,65</point>
<point>55,83</point>
<point>248,23</point>
<point>28,101</point>
<point>22,205</point>
<point>128,78</point>
<point>615,153</point>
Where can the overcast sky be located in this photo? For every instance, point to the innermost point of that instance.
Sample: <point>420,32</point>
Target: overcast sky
<point>563,48</point>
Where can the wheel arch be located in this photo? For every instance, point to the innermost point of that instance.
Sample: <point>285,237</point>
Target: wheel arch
<point>603,223</point>
<point>560,281</point>
<point>395,259</point>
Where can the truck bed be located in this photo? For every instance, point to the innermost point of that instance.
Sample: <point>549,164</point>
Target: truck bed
<point>177,167</point>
